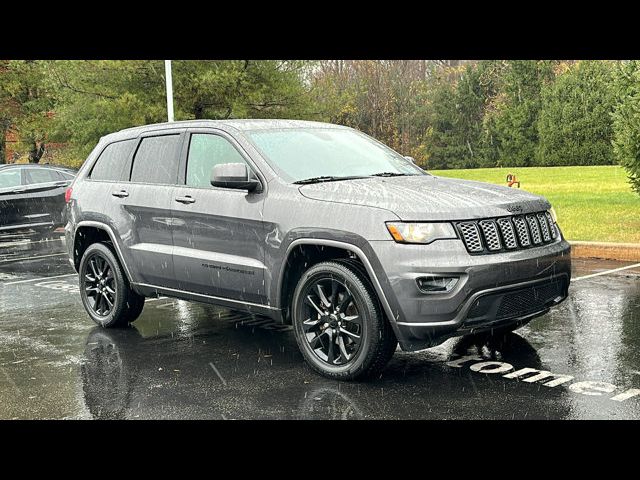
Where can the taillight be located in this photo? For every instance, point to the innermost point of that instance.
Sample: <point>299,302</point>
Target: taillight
<point>67,195</point>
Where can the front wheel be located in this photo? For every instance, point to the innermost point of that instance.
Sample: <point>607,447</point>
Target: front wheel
<point>105,291</point>
<point>338,322</point>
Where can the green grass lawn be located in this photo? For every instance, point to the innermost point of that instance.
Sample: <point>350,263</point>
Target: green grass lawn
<point>592,203</point>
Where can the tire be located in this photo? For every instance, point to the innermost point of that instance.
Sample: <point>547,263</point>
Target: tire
<point>105,291</point>
<point>357,341</point>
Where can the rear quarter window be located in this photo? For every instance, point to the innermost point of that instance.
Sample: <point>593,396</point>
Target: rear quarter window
<point>10,178</point>
<point>41,175</point>
<point>156,160</point>
<point>110,165</point>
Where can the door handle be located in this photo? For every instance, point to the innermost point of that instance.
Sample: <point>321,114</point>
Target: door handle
<point>186,199</point>
<point>120,194</point>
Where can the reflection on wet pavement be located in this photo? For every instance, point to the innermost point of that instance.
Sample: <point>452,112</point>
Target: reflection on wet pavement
<point>189,360</point>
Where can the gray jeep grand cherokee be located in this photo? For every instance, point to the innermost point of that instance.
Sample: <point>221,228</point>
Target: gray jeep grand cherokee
<point>311,224</point>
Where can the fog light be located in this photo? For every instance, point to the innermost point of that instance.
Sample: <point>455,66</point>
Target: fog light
<point>436,283</point>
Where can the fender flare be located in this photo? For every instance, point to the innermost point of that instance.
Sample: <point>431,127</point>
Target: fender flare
<point>346,246</point>
<point>112,236</point>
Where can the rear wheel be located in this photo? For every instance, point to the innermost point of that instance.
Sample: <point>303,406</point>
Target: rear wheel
<point>105,291</point>
<point>338,323</point>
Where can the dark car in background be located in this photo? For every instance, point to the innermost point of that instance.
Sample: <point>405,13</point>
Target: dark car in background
<point>32,197</point>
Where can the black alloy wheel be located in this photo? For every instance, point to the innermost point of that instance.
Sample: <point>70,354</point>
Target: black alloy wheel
<point>105,291</point>
<point>100,284</point>
<point>338,322</point>
<point>333,326</point>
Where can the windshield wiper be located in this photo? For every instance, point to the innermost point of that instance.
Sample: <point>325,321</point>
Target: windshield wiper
<point>325,178</point>
<point>391,174</point>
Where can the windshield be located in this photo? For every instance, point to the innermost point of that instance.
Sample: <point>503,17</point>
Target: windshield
<point>303,153</point>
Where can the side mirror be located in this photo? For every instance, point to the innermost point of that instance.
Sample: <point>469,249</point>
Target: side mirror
<point>411,159</point>
<point>234,175</point>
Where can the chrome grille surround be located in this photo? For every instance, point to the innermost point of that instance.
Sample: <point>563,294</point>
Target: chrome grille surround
<point>552,227</point>
<point>490,233</point>
<point>508,233</point>
<point>523,231</point>
<point>471,236</point>
<point>544,228</point>
<point>534,228</point>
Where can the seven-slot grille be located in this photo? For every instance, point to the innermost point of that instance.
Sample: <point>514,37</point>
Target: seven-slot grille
<point>507,233</point>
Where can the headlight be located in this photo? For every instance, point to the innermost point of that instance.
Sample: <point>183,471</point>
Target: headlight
<point>420,232</point>
<point>554,217</point>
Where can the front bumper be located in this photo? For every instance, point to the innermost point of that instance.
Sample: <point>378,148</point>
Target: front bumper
<point>492,290</point>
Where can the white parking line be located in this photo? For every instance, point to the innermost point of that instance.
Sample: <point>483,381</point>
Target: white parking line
<point>26,259</point>
<point>41,278</point>
<point>606,272</point>
<point>224,382</point>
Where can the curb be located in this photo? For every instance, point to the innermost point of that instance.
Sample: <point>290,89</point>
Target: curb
<point>610,251</point>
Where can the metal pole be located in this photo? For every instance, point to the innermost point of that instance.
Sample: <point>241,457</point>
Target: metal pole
<point>167,72</point>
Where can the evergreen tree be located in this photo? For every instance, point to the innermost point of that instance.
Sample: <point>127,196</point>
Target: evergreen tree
<point>512,120</point>
<point>455,137</point>
<point>626,120</point>
<point>575,125</point>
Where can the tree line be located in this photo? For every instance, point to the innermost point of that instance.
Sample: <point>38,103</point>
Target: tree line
<point>446,114</point>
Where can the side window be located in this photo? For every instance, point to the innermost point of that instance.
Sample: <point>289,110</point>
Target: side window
<point>41,175</point>
<point>156,160</point>
<point>10,178</point>
<point>205,151</point>
<point>110,165</point>
<point>65,175</point>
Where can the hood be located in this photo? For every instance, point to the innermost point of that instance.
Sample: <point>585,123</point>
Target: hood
<point>424,198</point>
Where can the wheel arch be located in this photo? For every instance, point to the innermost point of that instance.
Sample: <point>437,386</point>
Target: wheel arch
<point>88,232</point>
<point>286,283</point>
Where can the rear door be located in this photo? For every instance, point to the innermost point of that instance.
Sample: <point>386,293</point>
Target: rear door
<point>44,194</point>
<point>12,199</point>
<point>218,233</point>
<point>109,174</point>
<point>143,215</point>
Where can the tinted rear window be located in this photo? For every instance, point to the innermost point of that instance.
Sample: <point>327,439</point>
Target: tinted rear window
<point>156,160</point>
<point>10,178</point>
<point>41,175</point>
<point>112,160</point>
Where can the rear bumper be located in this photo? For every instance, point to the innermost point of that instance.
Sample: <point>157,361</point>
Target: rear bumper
<point>492,290</point>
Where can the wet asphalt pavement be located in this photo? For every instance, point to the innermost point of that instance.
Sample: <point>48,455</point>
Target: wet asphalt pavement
<point>185,360</point>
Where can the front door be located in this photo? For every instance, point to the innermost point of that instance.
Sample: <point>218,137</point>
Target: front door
<point>218,233</point>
